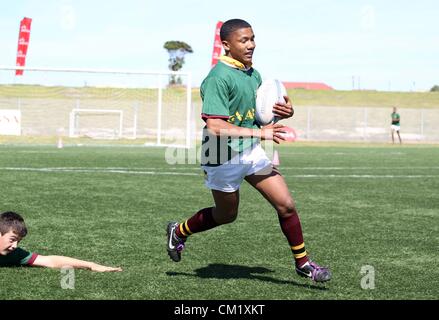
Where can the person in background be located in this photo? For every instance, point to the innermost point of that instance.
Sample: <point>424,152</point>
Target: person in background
<point>396,125</point>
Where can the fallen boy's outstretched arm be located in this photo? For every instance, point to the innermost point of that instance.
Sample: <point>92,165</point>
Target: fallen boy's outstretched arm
<point>61,261</point>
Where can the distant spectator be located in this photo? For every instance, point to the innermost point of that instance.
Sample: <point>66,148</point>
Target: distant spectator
<point>396,118</point>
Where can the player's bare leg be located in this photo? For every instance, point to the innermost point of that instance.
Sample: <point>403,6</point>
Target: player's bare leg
<point>226,206</point>
<point>273,187</point>
<point>399,137</point>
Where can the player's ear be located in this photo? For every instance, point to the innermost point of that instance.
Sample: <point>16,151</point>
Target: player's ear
<point>226,45</point>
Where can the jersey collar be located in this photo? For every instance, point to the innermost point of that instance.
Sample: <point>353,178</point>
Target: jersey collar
<point>233,63</point>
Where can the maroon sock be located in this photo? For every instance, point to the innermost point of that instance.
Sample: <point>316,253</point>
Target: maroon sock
<point>292,230</point>
<point>201,221</point>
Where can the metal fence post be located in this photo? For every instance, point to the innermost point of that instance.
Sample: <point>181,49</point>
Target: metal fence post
<point>308,123</point>
<point>365,124</point>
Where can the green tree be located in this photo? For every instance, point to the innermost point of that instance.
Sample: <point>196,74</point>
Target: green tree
<point>177,50</point>
<point>435,88</point>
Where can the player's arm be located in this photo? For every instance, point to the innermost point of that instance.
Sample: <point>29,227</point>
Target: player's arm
<point>61,261</point>
<point>284,110</point>
<point>220,127</point>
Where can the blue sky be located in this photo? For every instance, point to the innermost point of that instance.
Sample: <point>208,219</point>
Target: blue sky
<point>376,44</point>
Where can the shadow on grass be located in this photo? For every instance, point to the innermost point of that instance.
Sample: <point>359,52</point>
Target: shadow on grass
<point>225,271</point>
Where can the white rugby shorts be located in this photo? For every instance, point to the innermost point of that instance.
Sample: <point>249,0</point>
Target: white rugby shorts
<point>395,127</point>
<point>229,176</point>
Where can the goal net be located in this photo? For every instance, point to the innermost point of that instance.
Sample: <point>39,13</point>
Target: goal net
<point>87,106</point>
<point>96,123</point>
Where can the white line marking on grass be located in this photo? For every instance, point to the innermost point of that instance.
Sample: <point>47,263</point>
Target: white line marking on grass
<point>198,168</point>
<point>356,153</point>
<point>369,176</point>
<point>100,171</point>
<point>35,151</point>
<point>357,168</point>
<point>130,171</point>
<point>121,168</point>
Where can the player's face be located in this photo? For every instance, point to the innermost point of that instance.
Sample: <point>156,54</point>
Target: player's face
<point>8,242</point>
<point>240,45</point>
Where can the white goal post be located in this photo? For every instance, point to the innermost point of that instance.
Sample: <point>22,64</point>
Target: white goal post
<point>147,108</point>
<point>74,122</point>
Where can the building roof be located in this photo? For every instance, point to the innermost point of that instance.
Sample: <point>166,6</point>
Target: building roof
<point>307,85</point>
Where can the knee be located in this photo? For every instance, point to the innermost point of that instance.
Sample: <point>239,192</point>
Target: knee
<point>225,216</point>
<point>286,209</point>
<point>230,218</point>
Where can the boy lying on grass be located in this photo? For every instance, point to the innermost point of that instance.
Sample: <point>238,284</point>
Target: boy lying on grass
<point>13,230</point>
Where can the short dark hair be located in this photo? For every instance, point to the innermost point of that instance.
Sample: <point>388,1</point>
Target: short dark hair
<point>231,26</point>
<point>12,221</point>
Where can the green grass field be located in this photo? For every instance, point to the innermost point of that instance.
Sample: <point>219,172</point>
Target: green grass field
<point>359,204</point>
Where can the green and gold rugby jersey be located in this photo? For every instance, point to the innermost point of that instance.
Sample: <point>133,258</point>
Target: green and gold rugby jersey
<point>18,257</point>
<point>395,118</point>
<point>229,93</point>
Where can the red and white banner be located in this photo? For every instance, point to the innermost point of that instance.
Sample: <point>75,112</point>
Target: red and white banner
<point>217,45</point>
<point>23,43</point>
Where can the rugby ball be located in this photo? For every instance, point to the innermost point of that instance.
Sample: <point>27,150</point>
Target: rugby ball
<point>268,94</point>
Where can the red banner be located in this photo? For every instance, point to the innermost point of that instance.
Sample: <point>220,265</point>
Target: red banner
<point>217,45</point>
<point>23,43</point>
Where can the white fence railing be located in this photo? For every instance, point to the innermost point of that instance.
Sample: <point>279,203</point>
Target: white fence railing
<point>369,124</point>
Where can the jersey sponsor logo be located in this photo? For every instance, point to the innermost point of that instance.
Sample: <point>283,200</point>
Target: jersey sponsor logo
<point>250,115</point>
